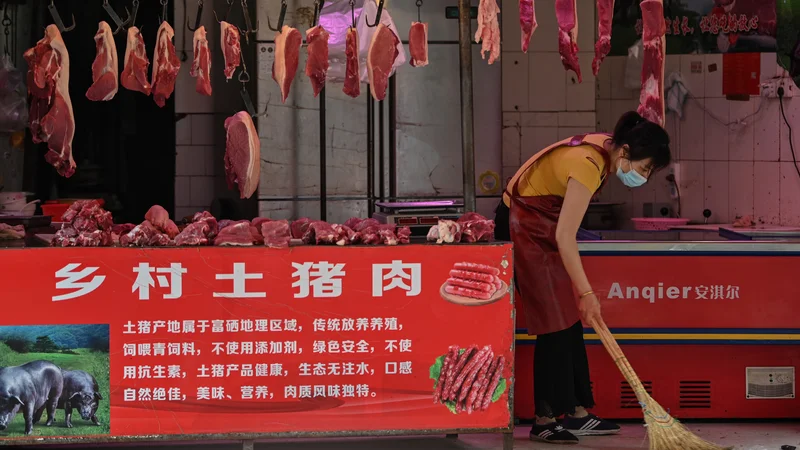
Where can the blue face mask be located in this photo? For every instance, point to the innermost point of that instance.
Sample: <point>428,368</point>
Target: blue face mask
<point>632,178</point>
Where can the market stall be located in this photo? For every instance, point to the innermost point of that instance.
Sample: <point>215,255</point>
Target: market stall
<point>709,326</point>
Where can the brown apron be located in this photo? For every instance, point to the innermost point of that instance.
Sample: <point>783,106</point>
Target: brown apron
<point>542,284</point>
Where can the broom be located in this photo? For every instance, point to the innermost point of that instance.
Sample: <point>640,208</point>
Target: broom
<point>663,431</point>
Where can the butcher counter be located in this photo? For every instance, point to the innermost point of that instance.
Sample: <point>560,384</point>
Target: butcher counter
<point>711,327</point>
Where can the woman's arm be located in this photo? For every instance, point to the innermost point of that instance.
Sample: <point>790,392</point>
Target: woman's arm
<point>576,201</point>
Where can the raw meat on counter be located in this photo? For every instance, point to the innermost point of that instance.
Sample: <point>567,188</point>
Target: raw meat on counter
<point>50,118</point>
<point>231,47</point>
<point>11,233</point>
<point>527,22</point>
<point>471,227</point>
<point>605,15</point>
<point>380,59</point>
<point>236,234</point>
<point>85,224</point>
<point>353,231</point>
<point>418,44</point>
<point>276,233</point>
<point>287,58</point>
<point>134,73</point>
<point>651,99</point>
<point>317,61</point>
<point>488,30</point>
<point>105,68</point>
<point>201,63</point>
<point>567,16</point>
<point>352,83</point>
<point>242,154</point>
<point>166,65</point>
<point>119,230</point>
<point>201,231</point>
<point>159,217</point>
<point>145,235</point>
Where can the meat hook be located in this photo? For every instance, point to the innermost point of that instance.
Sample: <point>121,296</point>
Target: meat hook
<point>227,13</point>
<point>114,17</point>
<point>163,17</point>
<point>281,18</point>
<point>7,31</point>
<point>353,12</point>
<point>318,5</point>
<point>419,10</point>
<point>135,8</point>
<point>57,18</point>
<point>377,16</point>
<point>248,23</point>
<point>244,78</point>
<point>197,18</point>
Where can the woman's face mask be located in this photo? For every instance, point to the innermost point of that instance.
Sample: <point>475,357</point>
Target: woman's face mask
<point>631,178</point>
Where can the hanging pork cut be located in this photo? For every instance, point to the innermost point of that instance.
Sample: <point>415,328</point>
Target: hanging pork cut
<point>317,61</point>
<point>605,16</point>
<point>352,83</point>
<point>651,99</point>
<point>418,44</point>
<point>567,17</point>
<point>231,47</point>
<point>134,74</point>
<point>201,62</point>
<point>105,68</point>
<point>488,32</point>
<point>380,59</point>
<point>242,154</point>
<point>527,22</point>
<point>166,65</point>
<point>50,118</point>
<point>287,58</point>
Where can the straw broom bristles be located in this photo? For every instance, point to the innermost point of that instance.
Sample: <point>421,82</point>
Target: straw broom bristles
<point>663,431</point>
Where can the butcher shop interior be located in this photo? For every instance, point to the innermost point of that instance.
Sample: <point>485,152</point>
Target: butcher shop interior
<point>275,124</point>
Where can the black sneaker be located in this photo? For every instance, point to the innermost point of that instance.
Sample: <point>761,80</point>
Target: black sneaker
<point>590,425</point>
<point>552,433</point>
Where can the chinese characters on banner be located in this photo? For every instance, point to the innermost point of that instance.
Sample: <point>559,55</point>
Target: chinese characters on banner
<point>255,340</point>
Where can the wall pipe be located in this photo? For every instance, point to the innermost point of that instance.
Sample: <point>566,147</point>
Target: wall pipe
<point>393,138</point>
<point>370,154</point>
<point>467,124</point>
<point>323,160</point>
<point>381,152</point>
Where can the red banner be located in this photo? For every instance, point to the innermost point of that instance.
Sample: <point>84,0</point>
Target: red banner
<point>254,340</point>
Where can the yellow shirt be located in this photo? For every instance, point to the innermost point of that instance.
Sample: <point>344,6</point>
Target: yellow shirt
<point>550,174</point>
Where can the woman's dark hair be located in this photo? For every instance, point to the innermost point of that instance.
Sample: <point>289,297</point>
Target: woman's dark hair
<point>644,139</point>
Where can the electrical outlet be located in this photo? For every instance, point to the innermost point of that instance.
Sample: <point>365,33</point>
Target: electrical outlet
<point>769,88</point>
<point>788,87</point>
<point>675,171</point>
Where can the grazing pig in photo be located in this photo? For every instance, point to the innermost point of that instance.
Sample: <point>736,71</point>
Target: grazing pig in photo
<point>82,393</point>
<point>30,388</point>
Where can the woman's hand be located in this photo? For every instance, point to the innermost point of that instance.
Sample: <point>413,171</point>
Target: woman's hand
<point>589,307</point>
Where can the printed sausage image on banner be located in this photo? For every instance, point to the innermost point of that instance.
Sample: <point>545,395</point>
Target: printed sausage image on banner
<point>468,379</point>
<point>49,371</point>
<point>473,284</point>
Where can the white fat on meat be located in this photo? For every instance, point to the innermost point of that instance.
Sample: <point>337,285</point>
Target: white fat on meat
<point>242,154</point>
<point>567,17</point>
<point>105,68</point>
<point>605,16</point>
<point>287,59</point>
<point>488,32</point>
<point>166,65</point>
<point>651,99</point>
<point>134,74</point>
<point>201,62</point>
<point>418,44</point>
<point>527,22</point>
<point>231,47</point>
<point>380,60</point>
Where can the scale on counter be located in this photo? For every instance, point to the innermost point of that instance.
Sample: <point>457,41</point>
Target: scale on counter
<point>419,216</point>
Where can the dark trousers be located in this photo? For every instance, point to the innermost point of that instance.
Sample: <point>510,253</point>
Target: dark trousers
<point>560,367</point>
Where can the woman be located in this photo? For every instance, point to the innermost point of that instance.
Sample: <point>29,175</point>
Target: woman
<point>541,211</point>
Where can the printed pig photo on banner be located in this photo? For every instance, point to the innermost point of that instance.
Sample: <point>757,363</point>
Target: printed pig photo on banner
<point>47,372</point>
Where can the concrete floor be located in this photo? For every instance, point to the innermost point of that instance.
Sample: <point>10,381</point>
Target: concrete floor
<point>739,436</point>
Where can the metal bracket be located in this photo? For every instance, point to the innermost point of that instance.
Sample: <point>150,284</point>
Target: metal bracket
<point>377,16</point>
<point>57,18</point>
<point>248,23</point>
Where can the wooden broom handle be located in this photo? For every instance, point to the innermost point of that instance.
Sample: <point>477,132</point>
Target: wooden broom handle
<point>621,361</point>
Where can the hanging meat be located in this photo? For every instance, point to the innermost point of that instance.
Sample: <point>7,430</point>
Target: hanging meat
<point>50,118</point>
<point>166,65</point>
<point>317,61</point>
<point>201,63</point>
<point>352,84</point>
<point>527,22</point>
<point>287,58</point>
<point>418,44</point>
<point>134,74</point>
<point>105,68</point>
<point>231,47</point>
<point>242,154</point>
<point>651,99</point>
<point>567,16</point>
<point>488,30</point>
<point>380,59</point>
<point>605,14</point>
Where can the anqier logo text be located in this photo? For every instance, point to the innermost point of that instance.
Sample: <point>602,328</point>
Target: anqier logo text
<point>667,292</point>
